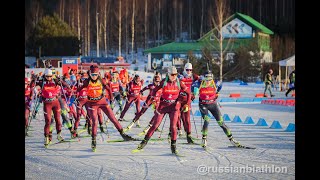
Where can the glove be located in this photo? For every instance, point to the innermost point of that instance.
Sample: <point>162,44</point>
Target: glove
<point>111,104</point>
<point>144,105</point>
<point>185,108</point>
<point>124,93</point>
<point>192,97</point>
<point>141,92</point>
<point>153,105</point>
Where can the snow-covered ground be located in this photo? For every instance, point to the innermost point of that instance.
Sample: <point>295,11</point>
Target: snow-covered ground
<point>273,158</point>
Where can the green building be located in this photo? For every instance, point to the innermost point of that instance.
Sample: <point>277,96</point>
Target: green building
<point>241,28</point>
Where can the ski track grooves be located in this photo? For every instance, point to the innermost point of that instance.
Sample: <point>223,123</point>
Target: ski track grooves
<point>101,168</point>
<point>146,168</point>
<point>214,156</point>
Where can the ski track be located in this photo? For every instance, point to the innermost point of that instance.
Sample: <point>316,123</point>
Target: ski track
<point>75,160</point>
<point>146,169</point>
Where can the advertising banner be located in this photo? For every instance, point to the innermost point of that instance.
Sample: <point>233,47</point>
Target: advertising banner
<point>69,63</point>
<point>236,29</point>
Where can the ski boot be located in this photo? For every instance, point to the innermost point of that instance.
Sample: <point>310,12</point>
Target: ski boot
<point>173,147</point>
<point>65,124</point>
<point>46,141</point>
<point>169,137</point>
<point>234,142</point>
<point>128,127</point>
<point>93,144</point>
<point>126,137</point>
<point>143,144</point>
<point>102,129</point>
<point>189,139</point>
<point>50,136</point>
<point>204,141</point>
<point>89,130</point>
<point>138,124</point>
<point>74,134</point>
<point>26,131</point>
<point>86,125</point>
<point>59,137</point>
<point>121,119</point>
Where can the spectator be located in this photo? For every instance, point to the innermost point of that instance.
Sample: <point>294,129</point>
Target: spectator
<point>268,83</point>
<point>292,82</point>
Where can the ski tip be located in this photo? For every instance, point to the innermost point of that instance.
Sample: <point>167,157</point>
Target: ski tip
<point>136,150</point>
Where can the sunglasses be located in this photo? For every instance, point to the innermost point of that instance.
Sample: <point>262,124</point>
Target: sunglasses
<point>173,74</point>
<point>188,69</point>
<point>94,74</point>
<point>48,76</point>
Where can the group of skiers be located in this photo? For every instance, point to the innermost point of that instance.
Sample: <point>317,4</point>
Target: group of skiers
<point>171,95</point>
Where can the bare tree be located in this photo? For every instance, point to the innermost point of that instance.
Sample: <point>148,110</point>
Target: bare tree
<point>78,19</point>
<point>221,14</point>
<point>202,14</point>
<point>120,18</point>
<point>132,28</point>
<point>180,10</point>
<point>127,38</point>
<point>106,11</point>
<point>175,19</point>
<point>146,24</point>
<point>62,13</point>
<point>84,28</point>
<point>72,15</point>
<point>97,27</point>
<point>162,32</point>
<point>158,20</point>
<point>190,18</point>
<point>88,27</point>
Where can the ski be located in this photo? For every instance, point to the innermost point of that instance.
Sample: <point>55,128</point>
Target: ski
<point>63,141</point>
<point>142,134</point>
<point>191,143</point>
<point>122,140</point>
<point>85,136</point>
<point>136,150</point>
<point>157,139</point>
<point>242,146</point>
<point>82,131</point>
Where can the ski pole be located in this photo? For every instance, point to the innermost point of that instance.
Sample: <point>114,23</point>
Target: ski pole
<point>33,111</point>
<point>194,122</point>
<point>106,124</point>
<point>163,125</point>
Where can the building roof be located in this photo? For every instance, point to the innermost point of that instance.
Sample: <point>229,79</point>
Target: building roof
<point>178,47</point>
<point>247,19</point>
<point>183,47</point>
<point>254,23</point>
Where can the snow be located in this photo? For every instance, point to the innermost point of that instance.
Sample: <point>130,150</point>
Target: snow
<point>275,148</point>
